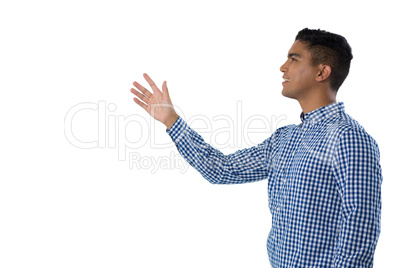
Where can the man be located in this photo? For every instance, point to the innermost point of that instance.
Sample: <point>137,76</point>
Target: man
<point>324,175</point>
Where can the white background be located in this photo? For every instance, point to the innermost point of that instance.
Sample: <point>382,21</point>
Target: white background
<point>65,206</point>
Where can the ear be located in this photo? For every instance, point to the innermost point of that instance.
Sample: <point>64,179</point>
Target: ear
<point>324,72</point>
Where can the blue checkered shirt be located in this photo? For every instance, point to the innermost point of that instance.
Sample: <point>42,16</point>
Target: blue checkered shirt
<point>324,186</point>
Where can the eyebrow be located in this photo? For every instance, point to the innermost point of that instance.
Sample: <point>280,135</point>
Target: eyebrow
<point>294,55</point>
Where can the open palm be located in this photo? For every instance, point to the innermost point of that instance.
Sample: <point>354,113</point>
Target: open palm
<point>157,104</point>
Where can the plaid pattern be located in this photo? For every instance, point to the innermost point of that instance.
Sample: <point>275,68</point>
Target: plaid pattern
<point>324,186</point>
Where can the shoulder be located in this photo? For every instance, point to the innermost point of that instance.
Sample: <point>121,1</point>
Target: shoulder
<point>277,136</point>
<point>284,131</point>
<point>352,135</point>
<point>350,126</point>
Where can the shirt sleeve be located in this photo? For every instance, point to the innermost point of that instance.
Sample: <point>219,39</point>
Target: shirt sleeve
<point>247,165</point>
<point>358,173</point>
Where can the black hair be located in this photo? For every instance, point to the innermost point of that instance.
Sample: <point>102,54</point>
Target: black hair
<point>331,49</point>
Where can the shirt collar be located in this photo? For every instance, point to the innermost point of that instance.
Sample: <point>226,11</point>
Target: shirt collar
<point>322,113</point>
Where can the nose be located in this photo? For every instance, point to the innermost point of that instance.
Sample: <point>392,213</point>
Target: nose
<point>283,68</point>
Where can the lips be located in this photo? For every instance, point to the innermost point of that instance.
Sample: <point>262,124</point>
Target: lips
<point>285,79</point>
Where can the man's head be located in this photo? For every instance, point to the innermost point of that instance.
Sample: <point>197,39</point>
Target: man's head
<point>331,49</point>
<point>317,59</point>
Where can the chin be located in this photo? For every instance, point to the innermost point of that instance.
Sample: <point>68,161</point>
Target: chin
<point>286,94</point>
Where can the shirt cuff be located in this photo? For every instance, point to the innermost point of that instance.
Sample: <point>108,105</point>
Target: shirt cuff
<point>176,129</point>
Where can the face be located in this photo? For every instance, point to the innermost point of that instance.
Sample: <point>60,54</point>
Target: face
<point>298,73</point>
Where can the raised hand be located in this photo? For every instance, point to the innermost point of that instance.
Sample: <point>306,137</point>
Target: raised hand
<point>157,104</point>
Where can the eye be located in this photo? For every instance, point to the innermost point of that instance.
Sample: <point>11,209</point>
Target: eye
<point>293,59</point>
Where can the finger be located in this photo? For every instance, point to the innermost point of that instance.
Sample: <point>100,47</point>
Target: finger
<point>139,95</point>
<point>164,87</point>
<point>142,89</point>
<point>140,103</point>
<point>151,83</point>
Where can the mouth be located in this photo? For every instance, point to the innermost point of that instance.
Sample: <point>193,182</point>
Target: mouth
<point>285,80</point>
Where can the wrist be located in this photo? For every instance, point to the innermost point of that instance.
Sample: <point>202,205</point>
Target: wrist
<point>171,120</point>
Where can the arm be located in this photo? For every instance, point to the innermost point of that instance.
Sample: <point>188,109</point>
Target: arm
<point>358,173</point>
<point>245,165</point>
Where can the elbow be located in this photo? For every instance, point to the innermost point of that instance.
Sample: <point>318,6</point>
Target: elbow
<point>214,180</point>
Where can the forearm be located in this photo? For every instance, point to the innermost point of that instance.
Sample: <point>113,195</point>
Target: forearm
<point>358,237</point>
<point>214,165</point>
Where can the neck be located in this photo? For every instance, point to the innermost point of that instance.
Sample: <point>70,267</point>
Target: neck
<point>316,101</point>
